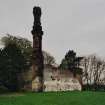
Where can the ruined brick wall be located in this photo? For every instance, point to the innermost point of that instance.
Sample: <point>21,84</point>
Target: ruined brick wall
<point>60,80</point>
<point>54,80</point>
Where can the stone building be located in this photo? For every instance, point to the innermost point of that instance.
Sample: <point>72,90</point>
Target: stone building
<point>60,80</point>
<point>54,80</point>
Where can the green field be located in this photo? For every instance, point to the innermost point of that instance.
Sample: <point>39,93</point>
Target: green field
<point>57,98</point>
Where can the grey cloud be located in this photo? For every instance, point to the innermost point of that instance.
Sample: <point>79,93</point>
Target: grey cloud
<point>67,24</point>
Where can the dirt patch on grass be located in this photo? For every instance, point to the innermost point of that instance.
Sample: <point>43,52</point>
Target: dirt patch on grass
<point>12,95</point>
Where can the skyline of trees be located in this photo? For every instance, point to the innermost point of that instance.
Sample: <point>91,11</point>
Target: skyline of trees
<point>18,50</point>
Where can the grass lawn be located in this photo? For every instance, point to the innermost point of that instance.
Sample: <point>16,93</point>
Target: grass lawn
<point>54,98</point>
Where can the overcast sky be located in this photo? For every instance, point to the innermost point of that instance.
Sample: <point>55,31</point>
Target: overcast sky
<point>78,25</point>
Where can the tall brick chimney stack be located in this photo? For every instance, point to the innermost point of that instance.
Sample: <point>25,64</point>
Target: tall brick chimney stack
<point>37,56</point>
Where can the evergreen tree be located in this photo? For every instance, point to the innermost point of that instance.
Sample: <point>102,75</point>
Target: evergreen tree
<point>71,62</point>
<point>12,63</point>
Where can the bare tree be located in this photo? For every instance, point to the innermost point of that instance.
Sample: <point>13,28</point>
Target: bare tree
<point>48,58</point>
<point>93,70</point>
